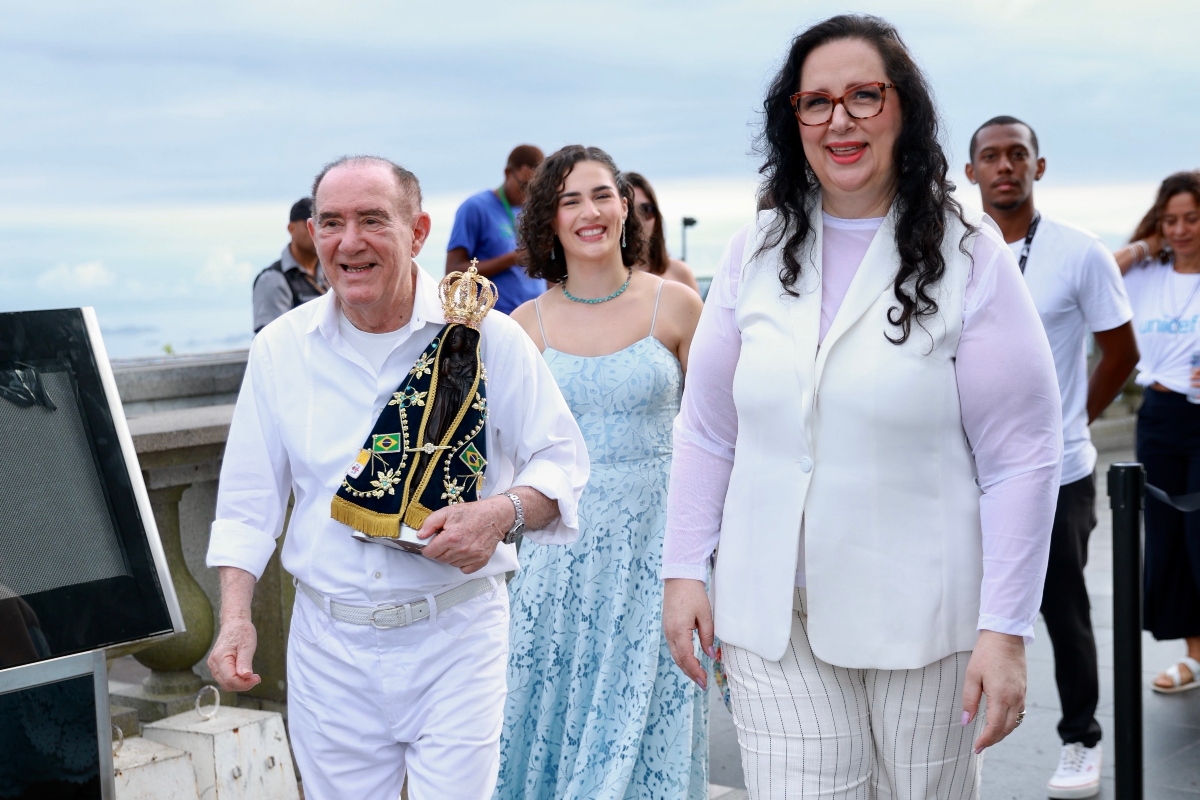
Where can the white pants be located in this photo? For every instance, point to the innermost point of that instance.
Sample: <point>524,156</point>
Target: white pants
<point>366,705</point>
<point>808,729</point>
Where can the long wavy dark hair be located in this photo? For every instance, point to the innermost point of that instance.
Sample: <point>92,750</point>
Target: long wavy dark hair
<point>541,207</point>
<point>1187,182</point>
<point>924,198</point>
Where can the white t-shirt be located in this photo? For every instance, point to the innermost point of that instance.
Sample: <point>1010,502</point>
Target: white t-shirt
<point>1166,313</point>
<point>1076,286</point>
<point>374,347</point>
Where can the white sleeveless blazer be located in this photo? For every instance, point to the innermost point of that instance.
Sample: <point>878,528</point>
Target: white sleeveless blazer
<point>862,441</point>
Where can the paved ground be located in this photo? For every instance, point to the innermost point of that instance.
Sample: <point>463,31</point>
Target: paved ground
<point>1018,767</point>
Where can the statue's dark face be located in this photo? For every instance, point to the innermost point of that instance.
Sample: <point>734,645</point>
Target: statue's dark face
<point>458,359</point>
<point>457,338</point>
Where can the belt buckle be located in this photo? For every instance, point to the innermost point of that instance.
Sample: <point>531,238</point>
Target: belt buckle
<point>404,617</point>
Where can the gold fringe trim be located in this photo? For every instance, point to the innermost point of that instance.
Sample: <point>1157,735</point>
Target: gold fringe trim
<point>364,520</point>
<point>416,515</point>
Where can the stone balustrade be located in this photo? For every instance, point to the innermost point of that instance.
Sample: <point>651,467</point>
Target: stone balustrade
<point>151,385</point>
<point>179,412</point>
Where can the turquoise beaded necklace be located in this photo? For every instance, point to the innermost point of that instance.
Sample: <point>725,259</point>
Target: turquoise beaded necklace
<point>594,300</point>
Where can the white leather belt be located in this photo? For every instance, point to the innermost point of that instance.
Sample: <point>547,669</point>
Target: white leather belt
<point>397,615</point>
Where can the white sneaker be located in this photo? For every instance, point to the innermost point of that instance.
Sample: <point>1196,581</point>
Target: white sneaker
<point>1078,773</point>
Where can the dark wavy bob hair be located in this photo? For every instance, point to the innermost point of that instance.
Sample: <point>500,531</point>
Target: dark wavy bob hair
<point>541,207</point>
<point>657,257</point>
<point>923,198</point>
<point>1180,183</point>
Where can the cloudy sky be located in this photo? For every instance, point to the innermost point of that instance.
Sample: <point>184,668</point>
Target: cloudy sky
<point>151,151</point>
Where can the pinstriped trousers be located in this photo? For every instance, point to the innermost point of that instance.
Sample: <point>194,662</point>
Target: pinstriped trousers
<point>808,729</point>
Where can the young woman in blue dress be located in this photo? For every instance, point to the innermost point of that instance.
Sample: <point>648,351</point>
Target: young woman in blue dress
<point>596,707</point>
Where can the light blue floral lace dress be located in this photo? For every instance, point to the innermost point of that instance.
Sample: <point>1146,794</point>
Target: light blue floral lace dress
<point>596,709</point>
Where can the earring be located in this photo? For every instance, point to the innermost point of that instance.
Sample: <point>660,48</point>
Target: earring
<point>622,235</point>
<point>552,248</point>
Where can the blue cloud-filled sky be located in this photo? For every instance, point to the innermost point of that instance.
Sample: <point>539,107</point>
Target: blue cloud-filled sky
<point>149,147</point>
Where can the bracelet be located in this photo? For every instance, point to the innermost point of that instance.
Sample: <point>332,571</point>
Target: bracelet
<point>1141,251</point>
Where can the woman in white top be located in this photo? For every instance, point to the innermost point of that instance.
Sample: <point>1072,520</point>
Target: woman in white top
<point>1162,276</point>
<point>871,434</point>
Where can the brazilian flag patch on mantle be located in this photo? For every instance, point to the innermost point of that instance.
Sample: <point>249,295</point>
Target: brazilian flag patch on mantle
<point>428,448</point>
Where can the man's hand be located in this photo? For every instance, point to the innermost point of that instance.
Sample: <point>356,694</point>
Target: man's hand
<point>996,669</point>
<point>686,609</point>
<point>466,534</point>
<point>233,653</point>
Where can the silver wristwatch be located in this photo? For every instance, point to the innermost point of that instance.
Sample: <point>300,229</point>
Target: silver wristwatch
<point>518,526</point>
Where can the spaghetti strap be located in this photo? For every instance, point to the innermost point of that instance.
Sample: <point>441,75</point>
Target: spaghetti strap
<point>657,297</point>
<point>538,309</point>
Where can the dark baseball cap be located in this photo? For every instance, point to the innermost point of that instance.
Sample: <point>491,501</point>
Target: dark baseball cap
<point>301,210</point>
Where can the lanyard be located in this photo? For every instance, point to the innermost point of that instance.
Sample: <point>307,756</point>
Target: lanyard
<point>507,208</point>
<point>1179,310</point>
<point>1033,225</point>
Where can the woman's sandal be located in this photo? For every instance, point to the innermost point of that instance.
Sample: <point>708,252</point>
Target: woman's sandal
<point>1177,684</point>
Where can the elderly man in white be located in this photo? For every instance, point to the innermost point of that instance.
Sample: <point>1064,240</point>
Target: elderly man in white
<point>374,692</point>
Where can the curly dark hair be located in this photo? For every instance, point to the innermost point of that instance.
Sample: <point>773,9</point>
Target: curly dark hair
<point>924,196</point>
<point>541,207</point>
<point>1186,182</point>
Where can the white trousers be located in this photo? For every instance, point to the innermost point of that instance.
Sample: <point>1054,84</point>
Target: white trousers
<point>365,706</point>
<point>808,729</point>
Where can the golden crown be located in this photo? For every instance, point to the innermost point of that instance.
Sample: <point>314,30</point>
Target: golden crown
<point>467,297</point>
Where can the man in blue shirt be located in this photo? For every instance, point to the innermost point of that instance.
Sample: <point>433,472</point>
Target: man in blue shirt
<point>485,228</point>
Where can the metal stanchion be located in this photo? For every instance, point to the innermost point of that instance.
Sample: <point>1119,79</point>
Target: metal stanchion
<point>1126,485</point>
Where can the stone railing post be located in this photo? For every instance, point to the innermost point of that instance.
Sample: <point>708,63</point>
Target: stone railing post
<point>176,449</point>
<point>171,661</point>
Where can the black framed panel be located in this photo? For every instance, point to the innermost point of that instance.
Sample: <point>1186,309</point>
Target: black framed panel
<point>81,565</point>
<point>50,743</point>
<point>56,730</point>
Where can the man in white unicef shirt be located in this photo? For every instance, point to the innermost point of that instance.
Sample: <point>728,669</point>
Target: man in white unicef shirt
<point>1077,288</point>
<point>396,661</point>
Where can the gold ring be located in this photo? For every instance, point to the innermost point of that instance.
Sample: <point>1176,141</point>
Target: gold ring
<point>1020,719</point>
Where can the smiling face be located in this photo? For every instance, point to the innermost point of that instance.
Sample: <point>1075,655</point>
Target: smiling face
<point>1005,165</point>
<point>1181,225</point>
<point>367,234</point>
<point>590,214</point>
<point>852,158</point>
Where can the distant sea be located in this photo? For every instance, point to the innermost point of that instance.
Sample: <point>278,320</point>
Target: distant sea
<point>176,278</point>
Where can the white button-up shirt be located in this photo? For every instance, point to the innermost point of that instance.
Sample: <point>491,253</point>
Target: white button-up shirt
<point>307,404</point>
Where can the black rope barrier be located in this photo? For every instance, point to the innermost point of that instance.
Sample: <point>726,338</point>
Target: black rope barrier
<point>1186,503</point>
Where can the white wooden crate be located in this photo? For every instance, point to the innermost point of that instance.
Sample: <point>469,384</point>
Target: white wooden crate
<point>241,754</point>
<point>148,770</point>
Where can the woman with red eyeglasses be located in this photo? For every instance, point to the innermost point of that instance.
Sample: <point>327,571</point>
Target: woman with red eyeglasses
<point>870,442</point>
<point>656,260</point>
